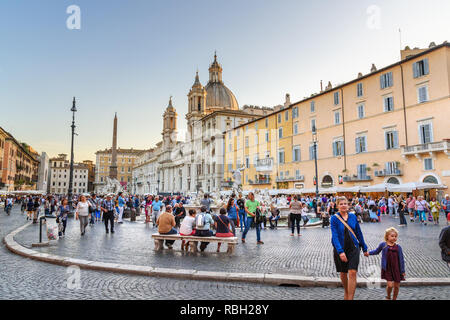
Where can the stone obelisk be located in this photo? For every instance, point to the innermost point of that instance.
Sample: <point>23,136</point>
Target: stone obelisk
<point>113,166</point>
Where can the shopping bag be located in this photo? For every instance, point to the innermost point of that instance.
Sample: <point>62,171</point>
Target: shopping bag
<point>52,232</point>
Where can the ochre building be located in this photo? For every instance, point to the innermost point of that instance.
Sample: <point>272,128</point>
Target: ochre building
<point>391,125</point>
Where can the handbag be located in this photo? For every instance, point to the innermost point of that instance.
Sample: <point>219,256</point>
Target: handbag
<point>258,217</point>
<point>224,224</point>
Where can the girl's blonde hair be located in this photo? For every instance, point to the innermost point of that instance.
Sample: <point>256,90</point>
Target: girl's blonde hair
<point>389,231</point>
<point>339,199</point>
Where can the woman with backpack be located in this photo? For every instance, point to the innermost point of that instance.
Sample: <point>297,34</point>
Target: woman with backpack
<point>203,223</point>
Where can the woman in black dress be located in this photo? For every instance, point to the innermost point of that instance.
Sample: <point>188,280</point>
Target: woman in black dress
<point>346,243</point>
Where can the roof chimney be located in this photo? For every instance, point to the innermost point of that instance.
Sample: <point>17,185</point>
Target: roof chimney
<point>373,69</point>
<point>321,86</point>
<point>360,75</point>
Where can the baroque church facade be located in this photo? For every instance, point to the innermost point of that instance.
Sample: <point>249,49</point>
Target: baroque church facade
<point>198,162</point>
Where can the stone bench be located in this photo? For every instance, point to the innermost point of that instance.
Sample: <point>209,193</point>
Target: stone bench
<point>193,241</point>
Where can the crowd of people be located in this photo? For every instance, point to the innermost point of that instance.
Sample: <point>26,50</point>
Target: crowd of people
<point>342,215</point>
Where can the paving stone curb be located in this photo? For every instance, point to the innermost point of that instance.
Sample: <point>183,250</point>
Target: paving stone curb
<point>262,278</point>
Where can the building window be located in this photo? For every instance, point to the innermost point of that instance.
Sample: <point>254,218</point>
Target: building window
<point>337,117</point>
<point>360,144</point>
<point>296,128</point>
<point>421,68</point>
<point>426,135</point>
<point>247,162</point>
<point>391,140</point>
<point>362,168</point>
<point>281,156</point>
<point>361,113</point>
<point>295,113</point>
<point>256,126</point>
<point>246,142</point>
<point>422,94</point>
<point>312,151</point>
<point>286,115</point>
<point>391,167</point>
<point>230,166</point>
<point>267,122</point>
<point>338,148</point>
<point>297,174</point>
<point>313,106</point>
<point>336,98</point>
<point>267,136</point>
<point>386,80</point>
<point>230,147</point>
<point>256,139</point>
<point>359,90</point>
<point>280,133</point>
<point>296,154</point>
<point>313,125</point>
<point>428,163</point>
<point>388,104</point>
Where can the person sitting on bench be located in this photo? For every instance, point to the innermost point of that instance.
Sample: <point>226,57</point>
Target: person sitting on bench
<point>203,223</point>
<point>223,227</point>
<point>166,224</point>
<point>187,228</point>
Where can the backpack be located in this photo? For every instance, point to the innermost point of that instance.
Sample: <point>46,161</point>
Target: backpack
<point>200,220</point>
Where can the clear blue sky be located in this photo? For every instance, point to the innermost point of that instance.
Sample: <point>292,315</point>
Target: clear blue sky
<point>130,56</point>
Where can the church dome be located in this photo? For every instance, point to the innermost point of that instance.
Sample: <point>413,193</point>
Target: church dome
<point>218,96</point>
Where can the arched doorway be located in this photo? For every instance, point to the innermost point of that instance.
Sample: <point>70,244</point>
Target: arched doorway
<point>393,180</point>
<point>327,181</point>
<point>430,179</point>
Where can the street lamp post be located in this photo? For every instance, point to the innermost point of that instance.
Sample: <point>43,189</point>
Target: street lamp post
<point>314,136</point>
<point>69,193</point>
<point>157,189</point>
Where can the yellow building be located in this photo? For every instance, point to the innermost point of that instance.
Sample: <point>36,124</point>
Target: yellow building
<point>126,160</point>
<point>391,125</point>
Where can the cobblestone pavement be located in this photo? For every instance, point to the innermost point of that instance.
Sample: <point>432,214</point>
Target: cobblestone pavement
<point>308,255</point>
<point>22,278</point>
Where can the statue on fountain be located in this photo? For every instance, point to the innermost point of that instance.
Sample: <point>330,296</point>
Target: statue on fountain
<point>237,183</point>
<point>112,186</point>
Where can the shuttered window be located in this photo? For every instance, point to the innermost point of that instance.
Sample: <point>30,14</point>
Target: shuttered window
<point>422,93</point>
<point>421,68</point>
<point>359,90</point>
<point>338,148</point>
<point>388,104</point>
<point>391,140</point>
<point>360,144</point>
<point>425,133</point>
<point>361,111</point>
<point>336,98</point>
<point>386,80</point>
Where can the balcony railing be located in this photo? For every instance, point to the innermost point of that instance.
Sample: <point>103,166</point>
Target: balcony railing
<point>427,147</point>
<point>386,173</point>
<point>296,179</point>
<point>259,181</point>
<point>357,178</point>
<point>265,164</point>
